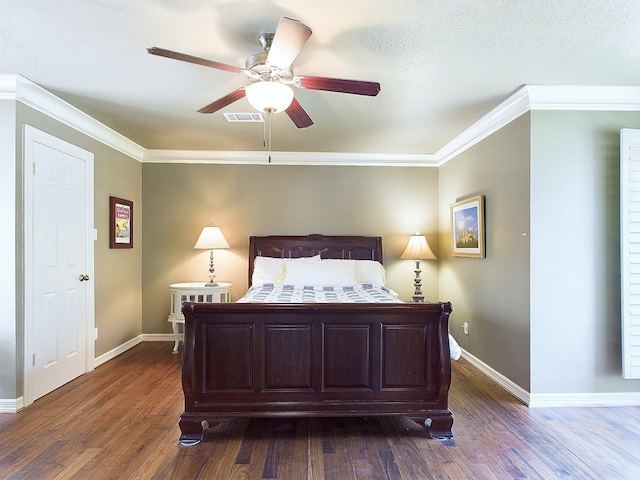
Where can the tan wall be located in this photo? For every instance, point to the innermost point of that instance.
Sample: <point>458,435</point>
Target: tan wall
<point>244,200</point>
<point>118,271</point>
<point>492,294</point>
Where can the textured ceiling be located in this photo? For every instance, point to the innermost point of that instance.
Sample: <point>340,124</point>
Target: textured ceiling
<point>442,64</point>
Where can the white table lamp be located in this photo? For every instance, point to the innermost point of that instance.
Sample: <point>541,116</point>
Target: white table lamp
<point>418,249</point>
<point>211,238</point>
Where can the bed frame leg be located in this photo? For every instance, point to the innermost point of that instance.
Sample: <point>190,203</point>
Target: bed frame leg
<point>192,431</point>
<point>437,423</point>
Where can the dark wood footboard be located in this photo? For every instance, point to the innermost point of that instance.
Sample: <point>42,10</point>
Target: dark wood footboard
<point>261,360</point>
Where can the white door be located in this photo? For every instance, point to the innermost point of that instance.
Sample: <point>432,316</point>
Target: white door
<point>59,284</point>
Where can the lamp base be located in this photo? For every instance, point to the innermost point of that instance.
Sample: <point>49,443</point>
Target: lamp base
<point>418,297</point>
<point>212,275</point>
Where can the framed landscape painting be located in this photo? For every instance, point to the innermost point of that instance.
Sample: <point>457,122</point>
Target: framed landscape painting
<point>467,218</point>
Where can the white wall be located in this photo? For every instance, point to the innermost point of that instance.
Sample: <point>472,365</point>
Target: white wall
<point>8,249</point>
<point>575,252</point>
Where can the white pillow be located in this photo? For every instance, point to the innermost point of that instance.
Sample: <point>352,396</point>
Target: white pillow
<point>266,270</point>
<point>366,271</point>
<point>320,274</point>
<point>272,269</point>
<point>370,271</point>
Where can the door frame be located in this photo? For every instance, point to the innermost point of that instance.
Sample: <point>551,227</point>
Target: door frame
<point>31,136</point>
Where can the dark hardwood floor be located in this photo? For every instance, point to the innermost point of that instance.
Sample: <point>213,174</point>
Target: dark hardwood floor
<point>121,422</point>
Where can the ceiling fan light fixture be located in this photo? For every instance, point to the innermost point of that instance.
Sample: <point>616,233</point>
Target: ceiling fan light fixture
<point>269,97</point>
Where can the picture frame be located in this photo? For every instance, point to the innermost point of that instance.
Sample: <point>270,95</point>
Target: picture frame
<point>468,228</point>
<point>120,223</point>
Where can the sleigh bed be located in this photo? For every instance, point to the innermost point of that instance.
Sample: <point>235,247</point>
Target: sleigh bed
<point>248,359</point>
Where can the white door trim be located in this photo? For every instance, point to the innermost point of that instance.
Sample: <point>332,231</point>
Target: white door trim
<point>33,136</point>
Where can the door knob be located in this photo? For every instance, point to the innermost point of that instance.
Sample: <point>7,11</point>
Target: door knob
<point>84,277</point>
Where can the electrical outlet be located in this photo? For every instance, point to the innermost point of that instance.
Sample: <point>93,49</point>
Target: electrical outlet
<point>465,328</point>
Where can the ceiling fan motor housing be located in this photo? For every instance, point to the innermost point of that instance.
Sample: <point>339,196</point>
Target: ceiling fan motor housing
<point>254,62</point>
<point>258,69</point>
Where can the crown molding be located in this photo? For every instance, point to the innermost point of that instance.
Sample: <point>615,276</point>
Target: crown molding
<point>8,82</point>
<point>289,158</point>
<point>524,99</point>
<point>584,97</point>
<point>542,97</point>
<point>23,90</point>
<point>514,106</point>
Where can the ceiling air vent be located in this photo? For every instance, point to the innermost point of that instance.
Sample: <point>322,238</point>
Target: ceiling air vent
<point>243,117</point>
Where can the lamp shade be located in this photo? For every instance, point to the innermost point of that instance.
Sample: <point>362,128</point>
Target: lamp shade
<point>418,249</point>
<point>269,97</point>
<point>211,238</point>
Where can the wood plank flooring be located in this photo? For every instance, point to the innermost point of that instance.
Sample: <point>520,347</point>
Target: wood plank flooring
<point>121,422</point>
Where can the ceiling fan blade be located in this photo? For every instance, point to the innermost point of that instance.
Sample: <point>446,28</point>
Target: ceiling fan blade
<point>224,101</point>
<point>191,59</point>
<point>356,87</point>
<point>290,37</point>
<point>298,116</point>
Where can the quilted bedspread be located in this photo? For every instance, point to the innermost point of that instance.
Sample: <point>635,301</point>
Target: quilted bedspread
<point>360,293</point>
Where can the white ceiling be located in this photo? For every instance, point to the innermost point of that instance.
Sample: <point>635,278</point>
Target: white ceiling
<point>442,64</point>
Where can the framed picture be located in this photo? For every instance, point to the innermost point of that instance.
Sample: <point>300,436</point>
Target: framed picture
<point>120,223</point>
<point>467,217</point>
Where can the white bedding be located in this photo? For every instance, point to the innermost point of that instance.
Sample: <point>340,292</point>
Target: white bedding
<point>358,293</point>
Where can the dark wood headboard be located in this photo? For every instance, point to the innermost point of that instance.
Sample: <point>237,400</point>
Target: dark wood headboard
<point>294,246</point>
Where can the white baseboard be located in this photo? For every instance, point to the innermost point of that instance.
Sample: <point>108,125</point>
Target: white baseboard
<point>511,387</point>
<point>148,337</point>
<point>555,400</point>
<point>159,337</point>
<point>11,405</point>
<point>111,354</point>
<point>607,399</point>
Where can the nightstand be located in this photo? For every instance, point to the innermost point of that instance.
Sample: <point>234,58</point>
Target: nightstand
<point>195,292</point>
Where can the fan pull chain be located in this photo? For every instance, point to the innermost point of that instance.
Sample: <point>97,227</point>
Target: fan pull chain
<point>270,138</point>
<point>264,131</point>
<point>264,134</point>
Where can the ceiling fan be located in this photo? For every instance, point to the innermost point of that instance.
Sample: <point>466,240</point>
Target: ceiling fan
<point>271,74</point>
